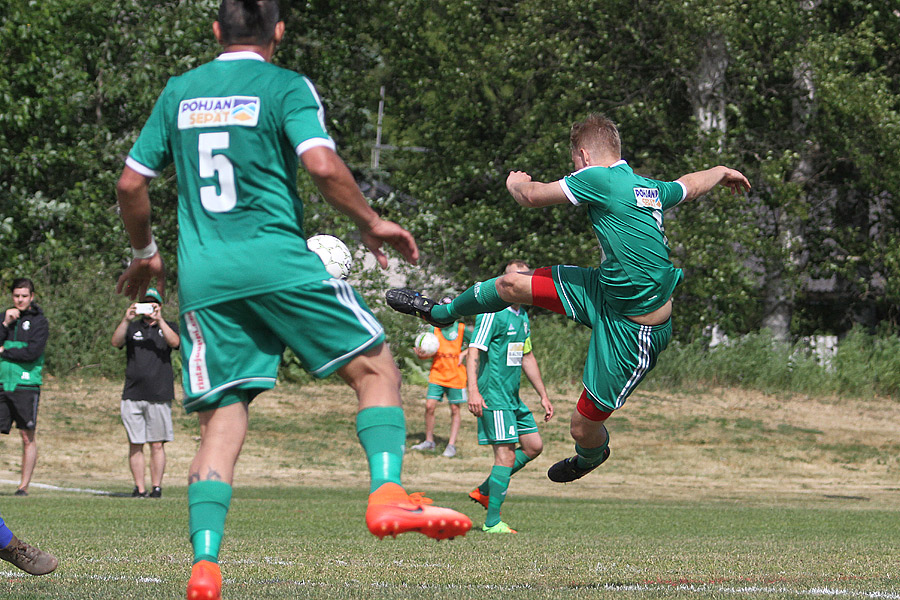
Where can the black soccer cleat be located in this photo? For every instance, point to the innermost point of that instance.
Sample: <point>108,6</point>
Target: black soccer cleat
<point>568,470</point>
<point>411,302</point>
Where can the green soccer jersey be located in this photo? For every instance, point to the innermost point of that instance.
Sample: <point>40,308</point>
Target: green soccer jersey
<point>626,211</point>
<point>505,337</point>
<point>235,128</point>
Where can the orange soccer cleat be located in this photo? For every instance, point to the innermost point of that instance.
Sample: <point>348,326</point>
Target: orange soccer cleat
<point>476,496</point>
<point>392,511</point>
<point>206,582</point>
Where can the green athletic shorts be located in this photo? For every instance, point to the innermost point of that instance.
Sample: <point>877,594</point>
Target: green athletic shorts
<point>621,352</point>
<point>237,345</point>
<point>505,426</point>
<point>454,395</point>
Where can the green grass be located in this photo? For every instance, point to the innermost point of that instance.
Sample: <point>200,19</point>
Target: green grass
<point>311,543</point>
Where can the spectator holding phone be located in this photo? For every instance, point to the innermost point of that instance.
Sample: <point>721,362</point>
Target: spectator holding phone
<point>149,387</point>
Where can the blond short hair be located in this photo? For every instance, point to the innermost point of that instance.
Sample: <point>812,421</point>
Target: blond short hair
<point>597,133</point>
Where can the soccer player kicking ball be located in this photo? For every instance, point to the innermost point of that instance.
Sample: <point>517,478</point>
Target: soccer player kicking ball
<point>500,350</point>
<point>248,283</point>
<point>627,300</point>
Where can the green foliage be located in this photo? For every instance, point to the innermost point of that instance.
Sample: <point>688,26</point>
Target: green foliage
<point>863,365</point>
<point>811,99</point>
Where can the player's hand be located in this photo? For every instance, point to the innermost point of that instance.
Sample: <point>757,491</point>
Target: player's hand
<point>134,282</point>
<point>12,314</point>
<point>476,404</point>
<point>735,181</point>
<point>515,178</point>
<point>400,239</point>
<point>130,312</point>
<point>548,408</point>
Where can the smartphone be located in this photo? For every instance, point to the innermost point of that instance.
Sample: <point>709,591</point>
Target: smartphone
<point>143,308</point>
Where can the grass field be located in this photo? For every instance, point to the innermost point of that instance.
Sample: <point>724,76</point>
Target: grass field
<point>717,495</point>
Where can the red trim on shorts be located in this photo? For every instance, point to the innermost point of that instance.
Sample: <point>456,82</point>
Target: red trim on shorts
<point>543,291</point>
<point>589,410</point>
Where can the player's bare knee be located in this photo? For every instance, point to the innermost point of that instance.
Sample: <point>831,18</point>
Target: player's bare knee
<point>507,286</point>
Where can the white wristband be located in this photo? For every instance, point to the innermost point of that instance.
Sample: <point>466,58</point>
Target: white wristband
<point>147,252</point>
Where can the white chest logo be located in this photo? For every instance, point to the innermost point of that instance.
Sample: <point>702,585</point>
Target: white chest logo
<point>26,325</point>
<point>647,198</point>
<point>216,112</point>
<point>137,335</point>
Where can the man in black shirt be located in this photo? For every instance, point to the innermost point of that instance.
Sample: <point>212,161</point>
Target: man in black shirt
<point>149,387</point>
<point>23,337</point>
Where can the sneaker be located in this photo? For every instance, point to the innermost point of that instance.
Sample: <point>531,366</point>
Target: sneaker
<point>449,451</point>
<point>500,527</point>
<point>28,558</point>
<point>424,446</point>
<point>156,492</point>
<point>392,511</point>
<point>568,470</point>
<point>21,492</point>
<point>411,302</point>
<point>136,494</point>
<point>206,581</point>
<point>476,496</point>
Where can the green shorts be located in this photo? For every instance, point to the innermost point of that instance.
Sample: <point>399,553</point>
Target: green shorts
<point>505,426</point>
<point>621,352</point>
<point>237,345</point>
<point>454,395</point>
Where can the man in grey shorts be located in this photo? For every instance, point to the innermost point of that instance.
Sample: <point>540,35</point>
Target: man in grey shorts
<point>149,387</point>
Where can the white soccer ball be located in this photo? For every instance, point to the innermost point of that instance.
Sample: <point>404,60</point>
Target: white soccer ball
<point>427,343</point>
<point>333,253</point>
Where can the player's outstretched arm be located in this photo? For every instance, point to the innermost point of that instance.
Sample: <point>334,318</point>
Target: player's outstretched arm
<point>533,194</point>
<point>701,182</point>
<point>339,188</point>
<point>133,194</point>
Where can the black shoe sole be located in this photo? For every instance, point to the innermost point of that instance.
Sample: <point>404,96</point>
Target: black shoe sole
<point>567,470</point>
<point>410,302</point>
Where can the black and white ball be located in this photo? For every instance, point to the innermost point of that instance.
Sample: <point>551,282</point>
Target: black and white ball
<point>333,253</point>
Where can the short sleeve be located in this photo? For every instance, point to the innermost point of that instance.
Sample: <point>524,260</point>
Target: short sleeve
<point>152,151</point>
<point>304,117</point>
<point>587,186</point>
<point>481,336</point>
<point>671,193</point>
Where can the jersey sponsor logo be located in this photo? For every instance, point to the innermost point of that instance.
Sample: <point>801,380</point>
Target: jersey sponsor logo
<point>514,353</point>
<point>217,112</point>
<point>647,198</point>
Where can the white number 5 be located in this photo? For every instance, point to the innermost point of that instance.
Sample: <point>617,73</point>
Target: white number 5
<point>210,165</point>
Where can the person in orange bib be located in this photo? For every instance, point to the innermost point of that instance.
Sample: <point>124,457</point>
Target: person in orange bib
<point>446,378</point>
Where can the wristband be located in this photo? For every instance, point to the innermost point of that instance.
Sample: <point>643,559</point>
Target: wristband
<point>147,252</point>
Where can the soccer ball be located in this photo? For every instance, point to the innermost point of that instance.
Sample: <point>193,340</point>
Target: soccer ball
<point>333,253</point>
<point>427,343</point>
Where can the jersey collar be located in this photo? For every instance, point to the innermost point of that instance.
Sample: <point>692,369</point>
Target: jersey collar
<point>240,55</point>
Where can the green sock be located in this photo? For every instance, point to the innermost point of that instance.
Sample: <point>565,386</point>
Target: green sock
<point>522,459</point>
<point>382,433</point>
<point>480,298</point>
<point>590,457</point>
<point>208,503</point>
<point>499,483</point>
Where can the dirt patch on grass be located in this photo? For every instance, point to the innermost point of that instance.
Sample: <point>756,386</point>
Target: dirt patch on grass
<point>726,444</point>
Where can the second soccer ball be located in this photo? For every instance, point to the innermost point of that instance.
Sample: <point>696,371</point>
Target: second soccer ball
<point>427,343</point>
